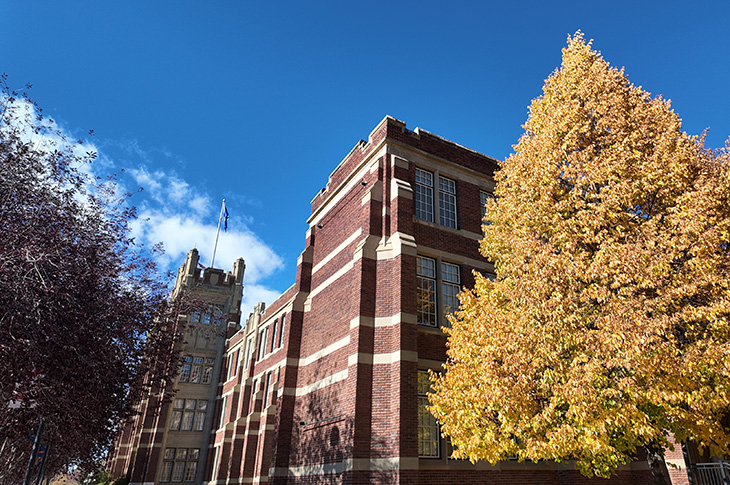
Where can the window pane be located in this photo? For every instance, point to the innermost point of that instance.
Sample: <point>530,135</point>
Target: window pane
<point>190,404</point>
<point>426,301</point>
<point>166,471</point>
<point>426,291</point>
<point>424,195</point>
<point>426,267</point>
<point>169,454</point>
<point>199,421</point>
<point>450,273</point>
<point>450,287</point>
<point>175,421</point>
<point>179,403</point>
<point>266,389</point>
<point>177,472</point>
<point>281,330</point>
<point>194,453</point>
<point>428,428</point>
<point>184,373</point>
<point>451,301</point>
<point>222,420</point>
<point>217,315</point>
<point>198,360</point>
<point>483,198</point>
<point>447,202</point>
<point>187,421</point>
<point>207,375</point>
<point>261,346</point>
<point>195,374</point>
<point>202,404</point>
<point>274,329</point>
<point>190,469</point>
<point>182,454</point>
<point>428,431</point>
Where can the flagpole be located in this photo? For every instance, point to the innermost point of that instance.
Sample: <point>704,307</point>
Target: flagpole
<point>217,232</point>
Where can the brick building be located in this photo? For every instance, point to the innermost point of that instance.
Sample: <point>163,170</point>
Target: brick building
<point>328,384</point>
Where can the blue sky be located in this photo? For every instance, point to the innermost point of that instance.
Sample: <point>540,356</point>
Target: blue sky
<point>257,102</point>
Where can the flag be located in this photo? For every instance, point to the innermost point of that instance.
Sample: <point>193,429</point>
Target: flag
<point>225,219</point>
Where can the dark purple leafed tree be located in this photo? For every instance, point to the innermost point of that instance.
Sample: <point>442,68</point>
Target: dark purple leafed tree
<point>83,313</point>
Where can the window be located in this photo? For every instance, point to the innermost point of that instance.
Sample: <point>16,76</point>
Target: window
<point>426,291</point>
<point>196,370</point>
<point>282,326</point>
<point>450,285</point>
<point>190,469</point>
<point>212,314</point>
<point>424,195</point>
<point>233,364</point>
<point>230,370</point>
<point>222,419</point>
<point>207,375</point>
<point>428,428</point>
<point>188,414</point>
<point>180,464</point>
<point>177,471</point>
<point>267,389</point>
<point>254,385</point>
<point>200,415</point>
<point>483,198</point>
<point>166,472</point>
<point>195,374</point>
<point>274,328</point>
<point>214,468</point>
<point>263,338</point>
<point>217,312</point>
<point>185,369</point>
<point>249,350</point>
<point>447,202</point>
<point>426,206</point>
<point>177,407</point>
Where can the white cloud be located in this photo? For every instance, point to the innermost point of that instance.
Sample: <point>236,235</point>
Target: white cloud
<point>170,210</point>
<point>179,232</point>
<point>146,179</point>
<point>199,204</point>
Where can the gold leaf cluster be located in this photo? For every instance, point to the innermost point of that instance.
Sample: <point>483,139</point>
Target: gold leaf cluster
<point>608,325</point>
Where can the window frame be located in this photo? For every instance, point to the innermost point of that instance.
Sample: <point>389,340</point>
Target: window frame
<point>425,279</point>
<point>436,198</point>
<point>422,402</point>
<point>274,328</point>
<point>425,204</point>
<point>448,214</point>
<point>282,327</point>
<point>439,287</point>
<point>453,285</point>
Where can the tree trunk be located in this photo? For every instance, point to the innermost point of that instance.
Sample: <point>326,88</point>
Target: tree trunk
<point>657,465</point>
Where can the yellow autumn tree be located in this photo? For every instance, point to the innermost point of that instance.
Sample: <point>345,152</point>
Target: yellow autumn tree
<point>608,326</point>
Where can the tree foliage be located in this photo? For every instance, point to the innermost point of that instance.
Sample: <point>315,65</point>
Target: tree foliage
<point>83,313</point>
<point>608,325</point>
